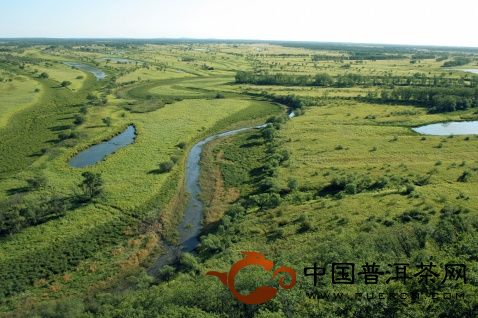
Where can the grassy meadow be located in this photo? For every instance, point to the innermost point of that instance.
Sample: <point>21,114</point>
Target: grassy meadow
<point>346,180</point>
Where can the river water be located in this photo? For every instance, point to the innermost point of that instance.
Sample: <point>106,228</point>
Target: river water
<point>98,152</point>
<point>99,74</point>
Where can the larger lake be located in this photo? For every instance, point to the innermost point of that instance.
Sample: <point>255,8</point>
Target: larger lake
<point>449,128</point>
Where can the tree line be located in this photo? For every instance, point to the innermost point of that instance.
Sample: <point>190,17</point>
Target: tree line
<point>353,79</point>
<point>18,213</point>
<point>437,100</point>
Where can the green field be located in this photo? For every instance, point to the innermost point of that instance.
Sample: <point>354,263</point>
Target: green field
<point>16,95</point>
<point>346,180</point>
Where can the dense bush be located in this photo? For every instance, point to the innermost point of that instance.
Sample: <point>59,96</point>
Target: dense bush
<point>352,79</point>
<point>166,166</point>
<point>435,99</point>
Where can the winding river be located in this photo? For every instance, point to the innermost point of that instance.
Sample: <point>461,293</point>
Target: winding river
<point>99,74</point>
<point>190,227</point>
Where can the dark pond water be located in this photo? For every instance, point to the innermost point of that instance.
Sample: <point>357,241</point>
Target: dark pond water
<point>99,74</point>
<point>118,59</point>
<point>449,128</point>
<point>98,152</point>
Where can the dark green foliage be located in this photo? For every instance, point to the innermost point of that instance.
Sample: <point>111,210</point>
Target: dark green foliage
<point>189,263</point>
<point>182,145</point>
<point>351,80</point>
<point>323,79</point>
<point>166,272</point>
<point>107,121</point>
<point>414,215</point>
<point>457,61</point>
<point>212,244</point>
<point>92,185</point>
<point>451,225</point>
<point>65,83</point>
<point>19,213</point>
<point>19,272</point>
<point>266,200</point>
<point>304,224</point>
<point>353,184</point>
<point>465,176</point>
<point>36,182</point>
<point>79,119</point>
<point>166,166</point>
<point>292,184</point>
<point>409,188</point>
<point>64,135</point>
<point>434,99</point>
<point>423,56</point>
<point>62,308</point>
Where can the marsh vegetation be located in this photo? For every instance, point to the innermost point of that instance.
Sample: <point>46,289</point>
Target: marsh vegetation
<point>84,216</point>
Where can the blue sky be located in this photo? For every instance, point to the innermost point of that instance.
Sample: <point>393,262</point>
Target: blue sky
<point>435,22</point>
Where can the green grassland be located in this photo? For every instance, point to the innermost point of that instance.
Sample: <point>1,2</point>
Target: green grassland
<point>346,180</point>
<point>16,95</point>
<point>60,72</point>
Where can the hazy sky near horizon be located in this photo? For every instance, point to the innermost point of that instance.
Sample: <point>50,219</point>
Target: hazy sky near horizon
<point>426,22</point>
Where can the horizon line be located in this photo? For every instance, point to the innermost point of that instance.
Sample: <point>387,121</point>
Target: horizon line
<point>232,40</point>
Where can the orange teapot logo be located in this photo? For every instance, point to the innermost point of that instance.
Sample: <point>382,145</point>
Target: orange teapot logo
<point>261,294</point>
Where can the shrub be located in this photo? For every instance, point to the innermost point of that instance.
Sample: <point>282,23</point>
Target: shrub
<point>305,224</point>
<point>292,184</point>
<point>36,182</point>
<point>266,200</point>
<point>414,215</point>
<point>65,83</point>
<point>166,166</point>
<point>107,121</point>
<point>211,244</point>
<point>189,262</point>
<point>79,120</point>
<point>465,176</point>
<point>166,273</point>
<point>409,188</point>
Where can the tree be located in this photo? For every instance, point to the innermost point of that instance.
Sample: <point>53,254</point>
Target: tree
<point>323,79</point>
<point>43,75</point>
<point>79,119</point>
<point>92,185</point>
<point>36,182</point>
<point>65,84</point>
<point>464,177</point>
<point>166,166</point>
<point>107,121</point>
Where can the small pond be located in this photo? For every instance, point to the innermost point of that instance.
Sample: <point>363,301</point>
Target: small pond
<point>471,70</point>
<point>118,60</point>
<point>98,152</point>
<point>449,128</point>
